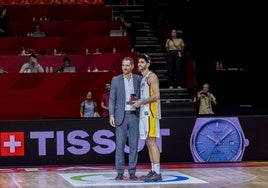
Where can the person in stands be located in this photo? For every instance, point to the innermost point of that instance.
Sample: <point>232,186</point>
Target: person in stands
<point>105,100</point>
<point>4,22</point>
<point>174,47</point>
<point>32,66</point>
<point>66,62</point>
<point>88,108</point>
<point>37,31</point>
<point>205,101</point>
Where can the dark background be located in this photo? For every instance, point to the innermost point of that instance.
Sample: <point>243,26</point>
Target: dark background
<point>233,31</point>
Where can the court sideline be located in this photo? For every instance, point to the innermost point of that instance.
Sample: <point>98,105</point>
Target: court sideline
<point>227,175</point>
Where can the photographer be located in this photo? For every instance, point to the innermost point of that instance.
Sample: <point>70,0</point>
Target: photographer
<point>205,101</point>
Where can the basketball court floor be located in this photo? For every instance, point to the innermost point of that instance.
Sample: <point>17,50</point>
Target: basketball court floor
<point>227,175</point>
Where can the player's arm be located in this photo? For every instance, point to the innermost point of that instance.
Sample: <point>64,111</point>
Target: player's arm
<point>154,83</point>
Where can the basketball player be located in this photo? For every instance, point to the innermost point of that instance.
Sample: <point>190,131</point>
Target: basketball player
<point>150,115</point>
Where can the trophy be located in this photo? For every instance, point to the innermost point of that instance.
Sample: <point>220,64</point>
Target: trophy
<point>133,97</point>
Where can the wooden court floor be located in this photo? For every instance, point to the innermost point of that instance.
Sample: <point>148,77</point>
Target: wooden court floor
<point>227,175</point>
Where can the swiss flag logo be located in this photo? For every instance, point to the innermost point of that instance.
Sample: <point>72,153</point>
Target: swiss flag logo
<point>12,143</point>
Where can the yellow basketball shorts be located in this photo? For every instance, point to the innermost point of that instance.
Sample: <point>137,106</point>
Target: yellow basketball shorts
<point>149,127</point>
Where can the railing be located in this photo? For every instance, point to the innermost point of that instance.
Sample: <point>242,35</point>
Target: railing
<point>67,44</point>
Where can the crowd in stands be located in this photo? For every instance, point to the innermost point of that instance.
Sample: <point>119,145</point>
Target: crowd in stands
<point>63,31</point>
<point>39,31</point>
<point>56,24</point>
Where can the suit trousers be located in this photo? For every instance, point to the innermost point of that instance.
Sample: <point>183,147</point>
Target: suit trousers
<point>129,129</point>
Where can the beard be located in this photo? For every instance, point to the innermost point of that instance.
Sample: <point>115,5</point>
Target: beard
<point>126,71</point>
<point>140,69</point>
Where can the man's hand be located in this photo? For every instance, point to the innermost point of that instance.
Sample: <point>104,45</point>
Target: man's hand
<point>111,121</point>
<point>137,103</point>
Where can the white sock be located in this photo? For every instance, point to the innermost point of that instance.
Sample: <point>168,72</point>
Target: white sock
<point>152,166</point>
<point>157,168</point>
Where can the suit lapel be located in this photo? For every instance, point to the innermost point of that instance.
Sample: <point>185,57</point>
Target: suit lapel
<point>122,85</point>
<point>136,86</point>
<point>134,82</point>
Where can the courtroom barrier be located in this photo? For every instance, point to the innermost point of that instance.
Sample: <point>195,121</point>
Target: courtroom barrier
<point>68,44</point>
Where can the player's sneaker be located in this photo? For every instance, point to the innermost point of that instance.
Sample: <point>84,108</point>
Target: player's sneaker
<point>143,177</point>
<point>153,178</point>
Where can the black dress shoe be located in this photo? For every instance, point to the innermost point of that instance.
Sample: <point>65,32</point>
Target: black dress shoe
<point>132,177</point>
<point>119,177</point>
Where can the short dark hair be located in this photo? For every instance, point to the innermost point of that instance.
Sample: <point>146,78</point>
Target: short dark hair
<point>66,59</point>
<point>37,24</point>
<point>33,55</point>
<point>129,59</point>
<point>145,57</point>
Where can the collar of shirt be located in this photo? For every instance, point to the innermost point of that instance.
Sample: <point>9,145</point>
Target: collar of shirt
<point>129,89</point>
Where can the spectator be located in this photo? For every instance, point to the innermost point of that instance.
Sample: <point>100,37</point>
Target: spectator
<point>88,108</point>
<point>105,100</point>
<point>66,63</point>
<point>32,66</point>
<point>174,47</point>
<point>4,22</point>
<point>205,101</point>
<point>129,27</point>
<point>37,31</point>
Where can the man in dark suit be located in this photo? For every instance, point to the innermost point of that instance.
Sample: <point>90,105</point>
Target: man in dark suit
<point>125,88</point>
